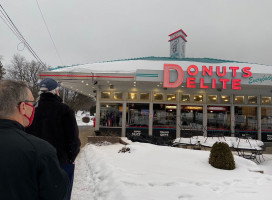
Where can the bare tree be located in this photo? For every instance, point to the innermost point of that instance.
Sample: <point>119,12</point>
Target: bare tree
<point>22,70</point>
<point>2,69</point>
<point>78,101</point>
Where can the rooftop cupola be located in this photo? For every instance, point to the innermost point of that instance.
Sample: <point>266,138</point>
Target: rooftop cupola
<point>177,44</point>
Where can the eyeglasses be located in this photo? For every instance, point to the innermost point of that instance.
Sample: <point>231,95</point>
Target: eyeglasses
<point>34,103</point>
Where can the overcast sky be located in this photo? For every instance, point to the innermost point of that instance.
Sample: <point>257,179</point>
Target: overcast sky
<point>86,31</point>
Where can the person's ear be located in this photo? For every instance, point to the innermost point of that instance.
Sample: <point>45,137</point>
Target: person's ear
<point>22,108</point>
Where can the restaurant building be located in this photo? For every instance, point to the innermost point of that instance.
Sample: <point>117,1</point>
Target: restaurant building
<point>172,96</point>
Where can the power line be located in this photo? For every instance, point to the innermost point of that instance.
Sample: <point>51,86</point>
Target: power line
<point>18,34</point>
<point>49,32</point>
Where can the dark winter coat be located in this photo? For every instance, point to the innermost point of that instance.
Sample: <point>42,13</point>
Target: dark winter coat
<point>55,122</point>
<point>29,168</point>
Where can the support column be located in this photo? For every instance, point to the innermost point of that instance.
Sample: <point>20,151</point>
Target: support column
<point>259,122</point>
<point>178,121</point>
<point>124,114</point>
<point>97,112</point>
<point>150,122</point>
<point>232,120</point>
<point>205,117</point>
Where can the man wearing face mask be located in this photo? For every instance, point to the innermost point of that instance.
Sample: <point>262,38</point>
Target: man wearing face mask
<point>29,168</point>
<point>55,122</point>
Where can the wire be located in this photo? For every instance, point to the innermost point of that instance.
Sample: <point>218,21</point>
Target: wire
<point>17,33</point>
<point>49,32</point>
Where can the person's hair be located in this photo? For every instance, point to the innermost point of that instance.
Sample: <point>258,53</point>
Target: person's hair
<point>11,93</point>
<point>51,91</point>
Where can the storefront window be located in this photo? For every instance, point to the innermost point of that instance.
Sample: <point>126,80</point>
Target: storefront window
<point>171,97</point>
<point>144,96</point>
<point>138,114</point>
<point>252,99</point>
<point>218,120</point>
<point>198,98</point>
<point>111,114</point>
<point>239,99</point>
<point>185,98</point>
<point>132,96</point>
<point>158,97</point>
<point>212,98</point>
<point>118,96</point>
<point>225,99</point>
<point>266,124</point>
<point>191,117</point>
<point>246,121</point>
<point>164,115</point>
<point>105,95</point>
<point>266,100</point>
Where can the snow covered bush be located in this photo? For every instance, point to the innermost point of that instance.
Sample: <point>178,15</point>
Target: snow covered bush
<point>221,156</point>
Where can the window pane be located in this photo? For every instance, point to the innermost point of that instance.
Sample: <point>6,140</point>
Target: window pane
<point>198,98</point>
<point>239,99</point>
<point>266,100</point>
<point>111,114</point>
<point>144,96</point>
<point>164,115</point>
<point>252,99</point>
<point>132,96</point>
<point>191,116</point>
<point>171,97</point>
<point>158,97</point>
<point>138,114</point>
<point>266,124</point>
<point>225,99</point>
<point>246,121</point>
<point>185,98</point>
<point>218,120</point>
<point>105,95</point>
<point>212,98</point>
<point>118,96</point>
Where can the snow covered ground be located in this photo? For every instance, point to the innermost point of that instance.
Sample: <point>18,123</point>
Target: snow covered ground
<point>165,173</point>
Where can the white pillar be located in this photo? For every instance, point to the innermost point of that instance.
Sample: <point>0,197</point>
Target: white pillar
<point>97,114</point>
<point>178,120</point>
<point>205,132</point>
<point>259,122</point>
<point>150,122</point>
<point>124,114</point>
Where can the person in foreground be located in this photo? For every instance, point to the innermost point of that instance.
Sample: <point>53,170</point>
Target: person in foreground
<point>55,122</point>
<point>29,167</point>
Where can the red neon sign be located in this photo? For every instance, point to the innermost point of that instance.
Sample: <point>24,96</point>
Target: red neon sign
<point>193,70</point>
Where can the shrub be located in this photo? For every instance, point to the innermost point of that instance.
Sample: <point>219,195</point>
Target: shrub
<point>86,119</point>
<point>221,156</point>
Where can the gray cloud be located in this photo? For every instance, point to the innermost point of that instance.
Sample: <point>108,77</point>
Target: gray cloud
<point>99,30</point>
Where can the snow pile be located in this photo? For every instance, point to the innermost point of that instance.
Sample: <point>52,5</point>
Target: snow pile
<point>80,115</point>
<point>160,172</point>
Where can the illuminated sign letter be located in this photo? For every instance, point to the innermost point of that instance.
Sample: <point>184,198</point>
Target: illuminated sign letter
<point>166,80</point>
<point>234,69</point>
<point>218,71</point>
<point>205,70</point>
<point>190,72</point>
<point>247,72</point>
<point>236,84</point>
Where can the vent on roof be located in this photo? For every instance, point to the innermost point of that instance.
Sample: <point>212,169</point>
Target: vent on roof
<point>177,44</point>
